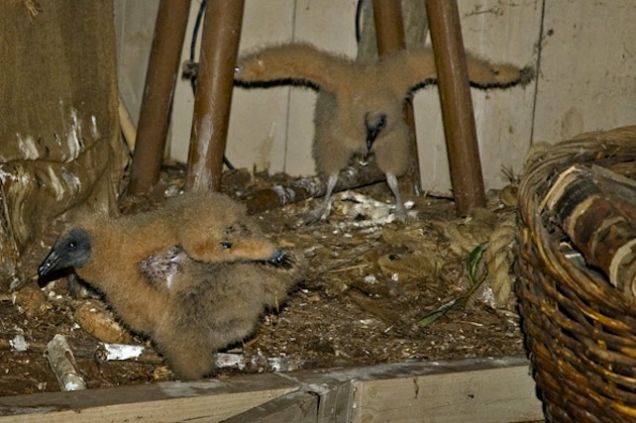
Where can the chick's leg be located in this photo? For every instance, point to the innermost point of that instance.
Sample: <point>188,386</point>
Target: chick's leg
<point>322,211</point>
<point>400,211</point>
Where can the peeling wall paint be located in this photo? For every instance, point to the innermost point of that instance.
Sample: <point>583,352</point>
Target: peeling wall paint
<point>55,184</point>
<point>94,130</point>
<point>27,147</point>
<point>72,181</point>
<point>74,137</point>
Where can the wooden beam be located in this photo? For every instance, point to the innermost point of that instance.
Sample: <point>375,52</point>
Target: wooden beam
<point>213,97</point>
<point>206,400</point>
<point>457,105</point>
<point>494,390</point>
<point>161,77</point>
<point>297,407</point>
<point>465,391</point>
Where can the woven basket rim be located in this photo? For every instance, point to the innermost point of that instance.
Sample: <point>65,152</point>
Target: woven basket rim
<point>615,146</point>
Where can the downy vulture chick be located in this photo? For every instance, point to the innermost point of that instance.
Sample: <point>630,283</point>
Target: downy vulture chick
<point>106,251</point>
<point>190,300</point>
<point>359,109</point>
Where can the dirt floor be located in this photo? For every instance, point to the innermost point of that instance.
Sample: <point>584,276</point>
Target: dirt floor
<point>368,298</point>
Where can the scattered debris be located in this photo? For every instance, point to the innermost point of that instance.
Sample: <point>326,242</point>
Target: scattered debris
<point>121,351</point>
<point>474,260</point>
<point>18,343</point>
<point>126,352</point>
<point>370,279</point>
<point>229,361</point>
<point>364,211</point>
<point>31,300</point>
<point>96,319</point>
<point>257,362</point>
<point>334,319</point>
<point>63,364</point>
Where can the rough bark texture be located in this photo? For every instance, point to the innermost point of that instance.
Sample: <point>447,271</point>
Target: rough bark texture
<point>595,208</point>
<point>59,138</point>
<point>306,187</point>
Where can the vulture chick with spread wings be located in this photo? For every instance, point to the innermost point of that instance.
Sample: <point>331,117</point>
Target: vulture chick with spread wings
<point>359,109</point>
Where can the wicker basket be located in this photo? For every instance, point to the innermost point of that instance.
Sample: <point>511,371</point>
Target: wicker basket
<point>580,330</point>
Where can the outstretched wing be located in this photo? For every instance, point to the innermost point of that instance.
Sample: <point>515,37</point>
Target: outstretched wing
<point>412,69</point>
<point>296,64</point>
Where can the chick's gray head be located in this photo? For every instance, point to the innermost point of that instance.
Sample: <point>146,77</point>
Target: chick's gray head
<point>72,249</point>
<point>375,114</point>
<point>374,123</point>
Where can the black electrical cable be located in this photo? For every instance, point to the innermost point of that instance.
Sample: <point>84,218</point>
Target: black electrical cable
<point>357,22</point>
<point>193,49</point>
<point>193,42</point>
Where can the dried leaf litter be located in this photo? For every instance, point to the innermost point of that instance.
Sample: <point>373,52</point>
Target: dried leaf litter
<point>371,282</point>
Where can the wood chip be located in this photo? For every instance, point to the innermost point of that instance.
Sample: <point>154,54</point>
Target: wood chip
<point>63,364</point>
<point>95,319</point>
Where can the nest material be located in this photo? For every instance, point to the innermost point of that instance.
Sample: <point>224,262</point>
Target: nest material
<point>580,330</point>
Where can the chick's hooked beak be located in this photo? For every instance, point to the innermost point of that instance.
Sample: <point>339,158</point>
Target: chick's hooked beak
<point>70,250</point>
<point>49,264</point>
<point>373,126</point>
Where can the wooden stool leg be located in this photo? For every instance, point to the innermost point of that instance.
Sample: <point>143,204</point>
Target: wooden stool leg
<point>389,28</point>
<point>457,106</point>
<point>154,117</point>
<point>219,50</point>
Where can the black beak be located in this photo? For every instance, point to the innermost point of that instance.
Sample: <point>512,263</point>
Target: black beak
<point>281,259</point>
<point>373,129</point>
<point>49,264</point>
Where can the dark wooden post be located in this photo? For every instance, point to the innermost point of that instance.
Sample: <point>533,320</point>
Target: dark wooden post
<point>457,105</point>
<point>219,50</point>
<point>154,117</point>
<point>389,29</point>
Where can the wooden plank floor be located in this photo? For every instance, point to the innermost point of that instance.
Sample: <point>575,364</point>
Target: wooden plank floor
<point>472,390</point>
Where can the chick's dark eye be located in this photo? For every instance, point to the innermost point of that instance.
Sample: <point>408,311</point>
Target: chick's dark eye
<point>72,244</point>
<point>226,245</point>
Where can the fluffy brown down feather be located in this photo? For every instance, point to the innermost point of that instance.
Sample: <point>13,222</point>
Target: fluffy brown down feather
<point>212,306</point>
<point>200,223</point>
<point>353,93</point>
<point>201,307</point>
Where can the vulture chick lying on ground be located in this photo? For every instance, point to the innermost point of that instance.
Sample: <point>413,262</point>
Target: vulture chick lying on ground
<point>189,308</point>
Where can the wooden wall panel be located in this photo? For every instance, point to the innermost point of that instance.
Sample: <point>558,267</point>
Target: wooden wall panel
<point>588,68</point>
<point>499,31</point>
<point>135,24</point>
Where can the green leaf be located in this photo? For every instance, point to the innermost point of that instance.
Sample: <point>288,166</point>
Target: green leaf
<point>436,314</point>
<point>474,258</point>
